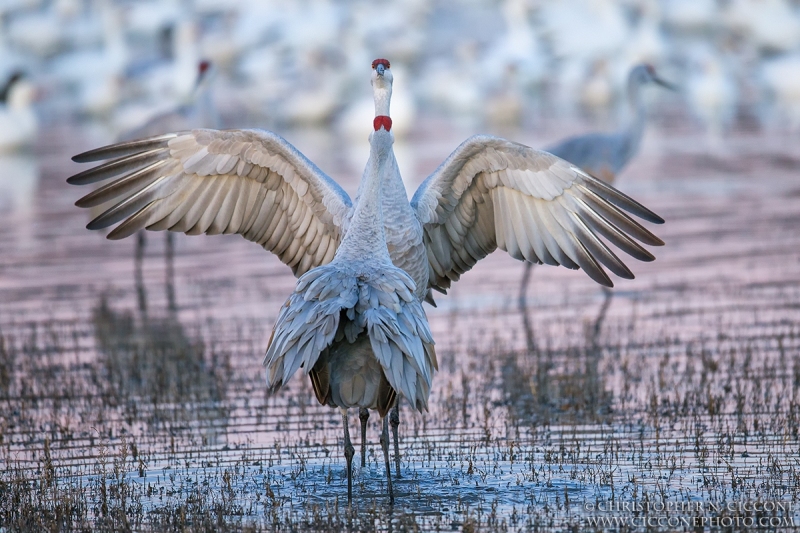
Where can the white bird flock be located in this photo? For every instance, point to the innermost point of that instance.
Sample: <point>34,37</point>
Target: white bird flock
<point>288,63</point>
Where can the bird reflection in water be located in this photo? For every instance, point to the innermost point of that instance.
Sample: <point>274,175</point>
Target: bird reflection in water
<point>544,385</point>
<point>156,371</point>
<point>555,386</point>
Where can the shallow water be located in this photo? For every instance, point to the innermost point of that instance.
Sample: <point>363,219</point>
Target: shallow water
<point>143,405</point>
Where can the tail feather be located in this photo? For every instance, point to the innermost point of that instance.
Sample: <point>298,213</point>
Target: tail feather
<point>386,397</point>
<point>320,379</point>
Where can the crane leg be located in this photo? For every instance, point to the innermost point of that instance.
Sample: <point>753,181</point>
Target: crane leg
<point>522,302</point>
<point>385,446</point>
<point>138,258</point>
<point>169,257</point>
<point>394,420</point>
<point>601,316</point>
<point>349,452</point>
<point>526,279</point>
<point>363,414</point>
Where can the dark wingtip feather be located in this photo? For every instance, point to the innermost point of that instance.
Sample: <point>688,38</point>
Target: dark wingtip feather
<point>119,233</point>
<point>596,272</point>
<point>625,275</point>
<point>128,161</point>
<point>122,149</point>
<point>77,179</point>
<point>429,298</point>
<point>100,222</point>
<point>623,201</point>
<point>90,156</point>
<point>81,202</point>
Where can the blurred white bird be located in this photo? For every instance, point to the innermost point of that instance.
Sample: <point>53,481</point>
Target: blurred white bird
<point>462,97</point>
<point>312,105</point>
<point>94,76</point>
<point>584,30</point>
<point>712,95</point>
<point>18,122</point>
<point>516,49</point>
<point>174,78</point>
<point>39,32</point>
<point>690,15</point>
<point>781,79</point>
<point>771,25</point>
<point>19,181</point>
<point>580,32</point>
<point>597,93</point>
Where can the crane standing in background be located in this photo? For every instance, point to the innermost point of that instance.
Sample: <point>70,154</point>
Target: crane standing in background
<point>196,111</point>
<point>605,155</point>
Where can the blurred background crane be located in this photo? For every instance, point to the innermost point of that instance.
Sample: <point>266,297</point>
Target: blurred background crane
<point>604,155</point>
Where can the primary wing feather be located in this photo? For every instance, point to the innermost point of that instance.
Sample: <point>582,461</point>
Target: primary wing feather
<point>250,182</point>
<point>492,193</point>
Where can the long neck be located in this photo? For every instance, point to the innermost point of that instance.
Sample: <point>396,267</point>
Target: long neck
<point>365,237</point>
<point>383,96</point>
<point>634,131</point>
<point>202,102</point>
<point>393,186</point>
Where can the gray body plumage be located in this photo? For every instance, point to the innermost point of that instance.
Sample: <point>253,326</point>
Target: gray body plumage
<point>359,298</point>
<point>402,228</point>
<point>604,155</point>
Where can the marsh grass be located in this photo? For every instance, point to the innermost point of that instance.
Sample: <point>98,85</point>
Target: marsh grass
<point>161,431</point>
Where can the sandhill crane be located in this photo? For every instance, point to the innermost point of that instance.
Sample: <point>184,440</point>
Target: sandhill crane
<point>355,323</point>
<point>197,110</point>
<point>604,155</point>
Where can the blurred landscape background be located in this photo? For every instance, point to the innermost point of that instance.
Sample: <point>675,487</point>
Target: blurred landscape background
<point>512,63</point>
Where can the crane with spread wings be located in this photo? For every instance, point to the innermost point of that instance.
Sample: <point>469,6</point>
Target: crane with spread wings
<point>355,323</point>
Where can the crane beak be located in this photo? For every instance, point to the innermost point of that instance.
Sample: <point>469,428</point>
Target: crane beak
<point>380,69</point>
<point>665,84</point>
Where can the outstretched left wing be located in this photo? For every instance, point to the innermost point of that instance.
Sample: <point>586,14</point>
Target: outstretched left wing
<point>493,193</point>
<point>250,182</point>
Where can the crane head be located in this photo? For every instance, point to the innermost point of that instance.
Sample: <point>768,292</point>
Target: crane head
<point>203,71</point>
<point>381,74</point>
<point>646,73</point>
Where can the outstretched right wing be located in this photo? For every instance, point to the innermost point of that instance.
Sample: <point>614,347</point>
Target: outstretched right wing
<point>492,193</point>
<point>250,182</point>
